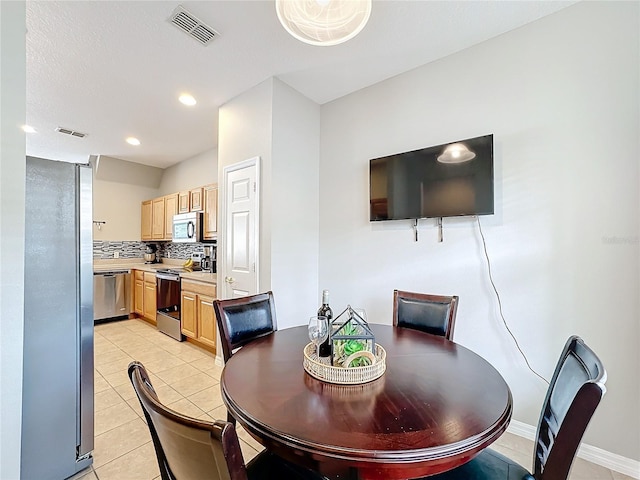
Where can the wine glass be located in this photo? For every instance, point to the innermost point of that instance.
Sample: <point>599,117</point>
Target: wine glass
<point>318,330</point>
<point>361,312</point>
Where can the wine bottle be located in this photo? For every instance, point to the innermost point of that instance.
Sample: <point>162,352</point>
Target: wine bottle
<point>325,311</point>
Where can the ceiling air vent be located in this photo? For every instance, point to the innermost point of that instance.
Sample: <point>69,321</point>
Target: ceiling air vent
<point>189,24</point>
<point>73,133</point>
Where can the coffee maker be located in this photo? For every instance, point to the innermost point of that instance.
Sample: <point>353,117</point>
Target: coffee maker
<point>208,263</point>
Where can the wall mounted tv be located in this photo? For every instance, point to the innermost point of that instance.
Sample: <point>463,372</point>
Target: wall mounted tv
<point>452,179</point>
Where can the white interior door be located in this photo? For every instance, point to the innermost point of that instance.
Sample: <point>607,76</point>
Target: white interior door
<point>241,228</point>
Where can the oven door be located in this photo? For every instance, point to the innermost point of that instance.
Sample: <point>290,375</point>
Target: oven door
<point>168,305</point>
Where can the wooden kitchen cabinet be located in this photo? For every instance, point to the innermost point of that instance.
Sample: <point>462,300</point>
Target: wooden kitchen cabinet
<point>149,297</point>
<point>170,209</point>
<point>146,216</point>
<point>210,227</point>
<point>157,214</point>
<point>144,295</point>
<point>207,327</point>
<point>183,202</point>
<point>188,314</point>
<point>138,292</point>
<point>196,312</point>
<point>158,219</point>
<point>196,200</point>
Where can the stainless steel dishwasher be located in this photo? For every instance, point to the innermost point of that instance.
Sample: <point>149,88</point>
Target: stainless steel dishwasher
<point>111,294</point>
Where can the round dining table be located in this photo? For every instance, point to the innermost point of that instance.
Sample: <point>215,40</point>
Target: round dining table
<point>437,405</point>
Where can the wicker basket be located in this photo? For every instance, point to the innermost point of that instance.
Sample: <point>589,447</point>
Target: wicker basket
<point>322,370</point>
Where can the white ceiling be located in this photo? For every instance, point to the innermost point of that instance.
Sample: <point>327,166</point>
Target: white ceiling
<point>114,69</point>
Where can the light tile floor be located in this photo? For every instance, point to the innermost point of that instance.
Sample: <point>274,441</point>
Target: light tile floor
<point>186,379</point>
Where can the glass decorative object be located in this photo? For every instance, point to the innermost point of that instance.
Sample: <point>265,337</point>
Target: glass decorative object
<point>352,341</point>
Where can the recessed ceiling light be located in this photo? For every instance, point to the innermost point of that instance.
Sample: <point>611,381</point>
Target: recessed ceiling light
<point>28,129</point>
<point>187,99</point>
<point>133,141</point>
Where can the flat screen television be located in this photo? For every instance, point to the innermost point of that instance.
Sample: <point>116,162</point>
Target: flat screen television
<point>452,179</point>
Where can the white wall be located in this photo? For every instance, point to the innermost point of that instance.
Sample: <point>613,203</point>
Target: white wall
<point>245,132</point>
<point>193,172</point>
<point>120,187</point>
<point>279,125</point>
<point>119,204</point>
<point>295,197</point>
<point>561,97</point>
<point>12,190</point>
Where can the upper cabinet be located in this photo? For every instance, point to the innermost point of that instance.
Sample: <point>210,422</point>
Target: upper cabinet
<point>157,214</point>
<point>157,218</point>
<point>196,201</point>
<point>170,209</point>
<point>157,222</point>
<point>191,200</point>
<point>147,218</point>
<point>183,202</point>
<point>210,223</point>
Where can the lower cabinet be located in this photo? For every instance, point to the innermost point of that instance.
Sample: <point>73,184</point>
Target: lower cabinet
<point>138,292</point>
<point>144,295</point>
<point>196,312</point>
<point>188,313</point>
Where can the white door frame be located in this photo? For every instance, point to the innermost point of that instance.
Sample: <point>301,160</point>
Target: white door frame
<point>250,162</point>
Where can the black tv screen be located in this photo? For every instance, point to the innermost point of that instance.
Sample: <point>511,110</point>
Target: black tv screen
<point>452,179</point>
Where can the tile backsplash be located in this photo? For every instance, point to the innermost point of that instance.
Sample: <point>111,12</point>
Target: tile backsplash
<point>103,249</point>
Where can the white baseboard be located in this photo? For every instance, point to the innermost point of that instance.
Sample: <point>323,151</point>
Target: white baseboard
<point>590,453</point>
<point>219,361</point>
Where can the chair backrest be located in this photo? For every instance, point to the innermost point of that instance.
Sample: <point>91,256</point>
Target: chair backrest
<point>435,314</point>
<point>576,388</point>
<point>187,448</point>
<point>242,320</point>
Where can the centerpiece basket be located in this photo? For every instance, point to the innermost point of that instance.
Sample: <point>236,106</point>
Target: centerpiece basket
<point>355,357</point>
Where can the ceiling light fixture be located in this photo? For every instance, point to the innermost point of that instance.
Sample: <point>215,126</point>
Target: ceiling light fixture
<point>187,99</point>
<point>456,153</point>
<point>133,141</point>
<point>323,22</point>
<point>28,129</point>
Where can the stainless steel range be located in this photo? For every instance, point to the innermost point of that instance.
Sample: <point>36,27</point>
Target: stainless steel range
<point>168,302</point>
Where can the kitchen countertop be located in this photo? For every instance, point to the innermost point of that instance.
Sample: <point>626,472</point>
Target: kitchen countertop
<point>138,264</point>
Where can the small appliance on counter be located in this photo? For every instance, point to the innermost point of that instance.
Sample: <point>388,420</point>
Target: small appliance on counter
<point>196,260</point>
<point>150,255</point>
<point>208,263</point>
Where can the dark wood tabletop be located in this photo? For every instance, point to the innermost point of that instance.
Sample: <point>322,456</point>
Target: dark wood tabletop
<point>437,405</point>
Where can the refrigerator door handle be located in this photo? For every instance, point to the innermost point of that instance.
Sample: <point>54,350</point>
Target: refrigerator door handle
<point>85,432</point>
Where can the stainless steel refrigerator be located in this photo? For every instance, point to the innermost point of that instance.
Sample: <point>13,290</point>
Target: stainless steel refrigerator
<point>57,408</point>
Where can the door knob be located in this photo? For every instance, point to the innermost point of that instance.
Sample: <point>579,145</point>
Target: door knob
<point>229,279</point>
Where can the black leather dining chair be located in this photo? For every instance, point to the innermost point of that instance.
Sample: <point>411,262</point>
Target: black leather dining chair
<point>576,388</point>
<point>244,319</point>
<point>191,449</point>
<point>434,314</point>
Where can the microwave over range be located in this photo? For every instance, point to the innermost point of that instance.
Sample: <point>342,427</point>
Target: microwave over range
<point>187,227</point>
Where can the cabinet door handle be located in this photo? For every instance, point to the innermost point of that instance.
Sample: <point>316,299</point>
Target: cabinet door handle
<point>229,279</point>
